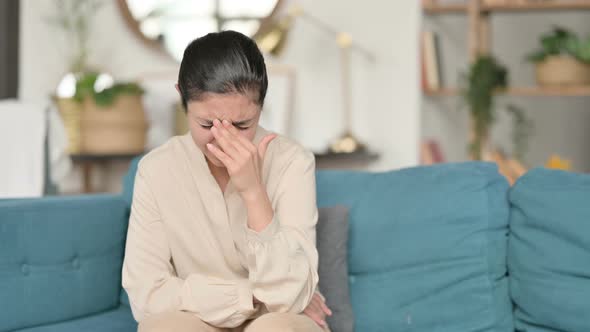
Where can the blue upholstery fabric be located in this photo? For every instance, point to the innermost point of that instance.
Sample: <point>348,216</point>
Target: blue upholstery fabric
<point>127,196</point>
<point>129,181</point>
<point>117,320</point>
<point>549,257</point>
<point>427,248</point>
<point>427,252</point>
<point>60,258</point>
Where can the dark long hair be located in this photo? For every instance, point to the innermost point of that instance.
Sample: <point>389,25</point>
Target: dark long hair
<point>222,62</point>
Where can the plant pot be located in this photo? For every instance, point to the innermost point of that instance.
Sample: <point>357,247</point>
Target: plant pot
<point>562,71</point>
<point>117,129</point>
<point>71,114</point>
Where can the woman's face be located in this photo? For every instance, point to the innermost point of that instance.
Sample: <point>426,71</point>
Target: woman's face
<point>236,108</point>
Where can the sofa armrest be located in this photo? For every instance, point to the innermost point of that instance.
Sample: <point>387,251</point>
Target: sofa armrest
<point>60,257</point>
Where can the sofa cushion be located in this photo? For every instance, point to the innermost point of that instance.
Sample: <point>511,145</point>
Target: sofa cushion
<point>427,246</point>
<point>129,181</point>
<point>60,258</point>
<point>117,320</point>
<point>332,240</point>
<point>549,251</point>
<point>127,195</point>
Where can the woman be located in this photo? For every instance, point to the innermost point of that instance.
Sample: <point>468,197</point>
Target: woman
<point>222,229</point>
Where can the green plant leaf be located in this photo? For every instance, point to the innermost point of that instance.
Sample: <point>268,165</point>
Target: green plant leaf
<point>485,76</point>
<point>85,89</point>
<point>522,129</point>
<point>561,41</point>
<point>537,56</point>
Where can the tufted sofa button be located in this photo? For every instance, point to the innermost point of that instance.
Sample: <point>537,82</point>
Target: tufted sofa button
<point>351,279</point>
<point>76,263</point>
<point>25,269</point>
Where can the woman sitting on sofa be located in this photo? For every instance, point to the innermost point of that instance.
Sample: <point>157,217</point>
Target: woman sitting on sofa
<point>222,229</point>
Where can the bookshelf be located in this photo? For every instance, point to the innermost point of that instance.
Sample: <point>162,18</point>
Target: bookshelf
<point>478,12</point>
<point>533,91</point>
<point>434,8</point>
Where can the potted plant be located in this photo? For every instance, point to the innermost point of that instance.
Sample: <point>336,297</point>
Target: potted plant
<point>98,118</point>
<point>113,119</point>
<point>563,59</point>
<point>479,86</point>
<point>73,18</point>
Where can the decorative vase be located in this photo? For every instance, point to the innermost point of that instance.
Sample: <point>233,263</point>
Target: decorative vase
<point>562,71</point>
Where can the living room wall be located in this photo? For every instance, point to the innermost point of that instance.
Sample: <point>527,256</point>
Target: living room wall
<point>385,93</point>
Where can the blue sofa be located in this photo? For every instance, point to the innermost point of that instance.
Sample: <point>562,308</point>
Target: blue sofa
<point>441,248</point>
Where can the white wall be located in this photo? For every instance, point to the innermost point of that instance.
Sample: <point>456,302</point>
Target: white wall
<point>562,124</point>
<point>385,93</point>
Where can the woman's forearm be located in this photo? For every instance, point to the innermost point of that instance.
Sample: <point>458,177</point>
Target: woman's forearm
<point>259,208</point>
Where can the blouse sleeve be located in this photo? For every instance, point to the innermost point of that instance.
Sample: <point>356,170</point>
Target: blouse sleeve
<point>283,258</point>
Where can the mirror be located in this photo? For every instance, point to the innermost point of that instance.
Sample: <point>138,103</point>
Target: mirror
<point>169,25</point>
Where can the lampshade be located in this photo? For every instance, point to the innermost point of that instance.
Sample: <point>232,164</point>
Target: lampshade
<point>272,38</point>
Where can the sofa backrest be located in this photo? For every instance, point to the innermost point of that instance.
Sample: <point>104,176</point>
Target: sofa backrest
<point>427,246</point>
<point>60,258</point>
<point>549,251</point>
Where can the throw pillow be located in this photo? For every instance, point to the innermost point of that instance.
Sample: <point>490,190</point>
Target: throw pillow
<point>332,242</point>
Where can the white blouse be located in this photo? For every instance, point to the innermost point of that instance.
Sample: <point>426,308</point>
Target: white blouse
<point>189,248</point>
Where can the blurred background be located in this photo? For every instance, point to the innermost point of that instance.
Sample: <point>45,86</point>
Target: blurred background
<point>88,85</point>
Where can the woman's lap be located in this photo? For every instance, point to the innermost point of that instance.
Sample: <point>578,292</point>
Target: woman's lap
<point>179,321</point>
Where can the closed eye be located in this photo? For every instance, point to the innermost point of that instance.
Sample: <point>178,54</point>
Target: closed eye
<point>209,127</point>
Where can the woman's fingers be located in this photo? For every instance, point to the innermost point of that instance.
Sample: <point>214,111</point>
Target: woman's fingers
<point>245,143</point>
<point>263,145</point>
<point>316,316</point>
<point>321,302</point>
<point>325,308</point>
<point>222,156</point>
<point>317,308</point>
<point>320,305</point>
<point>224,139</point>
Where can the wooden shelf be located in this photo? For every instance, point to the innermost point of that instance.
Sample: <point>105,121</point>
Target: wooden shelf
<point>538,6</point>
<point>541,5</point>
<point>574,91</point>
<point>363,156</point>
<point>533,91</point>
<point>443,92</point>
<point>444,9</point>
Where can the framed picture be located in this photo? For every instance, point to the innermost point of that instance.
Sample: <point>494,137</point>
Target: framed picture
<point>159,101</point>
<point>279,105</point>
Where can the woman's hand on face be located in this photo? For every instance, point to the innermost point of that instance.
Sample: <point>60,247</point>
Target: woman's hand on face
<point>317,310</point>
<point>242,159</point>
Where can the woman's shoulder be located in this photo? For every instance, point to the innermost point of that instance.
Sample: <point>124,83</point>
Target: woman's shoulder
<point>283,151</point>
<point>160,156</point>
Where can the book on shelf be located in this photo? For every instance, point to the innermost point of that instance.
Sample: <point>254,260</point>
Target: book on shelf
<point>430,59</point>
<point>431,153</point>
